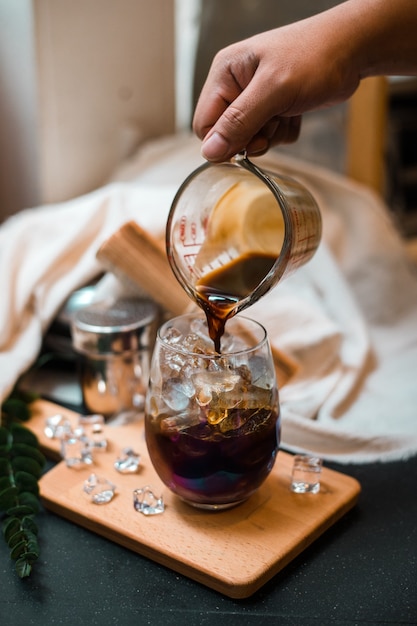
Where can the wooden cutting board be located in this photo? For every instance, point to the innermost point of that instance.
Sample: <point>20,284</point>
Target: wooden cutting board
<point>234,552</point>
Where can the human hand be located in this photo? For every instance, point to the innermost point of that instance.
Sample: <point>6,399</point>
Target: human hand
<point>258,89</point>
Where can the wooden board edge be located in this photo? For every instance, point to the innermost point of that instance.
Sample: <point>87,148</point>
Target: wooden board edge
<point>235,589</point>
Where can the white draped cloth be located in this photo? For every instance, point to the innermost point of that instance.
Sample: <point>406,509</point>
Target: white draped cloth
<point>348,317</point>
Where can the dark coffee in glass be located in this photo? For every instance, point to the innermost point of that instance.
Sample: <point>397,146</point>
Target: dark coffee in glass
<point>212,420</point>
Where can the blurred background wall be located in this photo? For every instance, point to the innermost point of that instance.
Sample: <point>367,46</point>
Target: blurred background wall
<point>84,82</point>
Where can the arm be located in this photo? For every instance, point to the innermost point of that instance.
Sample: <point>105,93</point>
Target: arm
<point>257,89</point>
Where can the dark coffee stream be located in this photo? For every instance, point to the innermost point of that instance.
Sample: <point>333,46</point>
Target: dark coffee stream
<point>219,291</point>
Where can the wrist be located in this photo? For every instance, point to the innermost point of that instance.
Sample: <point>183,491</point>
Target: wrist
<point>382,36</point>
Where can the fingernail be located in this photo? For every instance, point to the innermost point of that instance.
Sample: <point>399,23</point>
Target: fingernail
<point>215,147</point>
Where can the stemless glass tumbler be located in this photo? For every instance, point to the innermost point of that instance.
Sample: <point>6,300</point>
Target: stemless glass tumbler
<point>212,420</point>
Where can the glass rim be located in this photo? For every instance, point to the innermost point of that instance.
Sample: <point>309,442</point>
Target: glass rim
<point>215,355</point>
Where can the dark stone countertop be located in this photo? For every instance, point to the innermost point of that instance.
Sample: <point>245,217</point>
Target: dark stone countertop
<point>362,571</point>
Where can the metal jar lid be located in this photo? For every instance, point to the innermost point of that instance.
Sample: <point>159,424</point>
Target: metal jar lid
<point>114,328</point>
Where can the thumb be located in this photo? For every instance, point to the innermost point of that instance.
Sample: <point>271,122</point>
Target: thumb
<point>238,126</point>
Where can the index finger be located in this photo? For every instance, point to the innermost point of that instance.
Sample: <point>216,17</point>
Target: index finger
<point>228,128</point>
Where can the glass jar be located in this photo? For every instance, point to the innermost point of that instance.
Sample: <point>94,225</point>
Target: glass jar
<point>114,342</point>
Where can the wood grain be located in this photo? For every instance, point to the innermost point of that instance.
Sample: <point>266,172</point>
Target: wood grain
<point>132,251</point>
<point>234,552</point>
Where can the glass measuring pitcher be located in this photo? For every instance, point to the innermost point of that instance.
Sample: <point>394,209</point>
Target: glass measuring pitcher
<point>234,231</point>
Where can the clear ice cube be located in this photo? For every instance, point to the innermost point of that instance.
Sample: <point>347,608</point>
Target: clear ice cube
<point>306,471</point>
<point>172,336</point>
<point>215,382</point>
<point>100,490</point>
<point>174,423</point>
<point>146,502</point>
<point>174,394</point>
<point>261,373</point>
<point>57,426</point>
<point>128,462</point>
<point>91,427</point>
<point>76,451</point>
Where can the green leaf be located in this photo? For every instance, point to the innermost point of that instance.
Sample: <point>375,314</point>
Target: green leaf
<point>32,543</point>
<point>22,449</point>
<point>4,436</point>
<point>26,464</point>
<point>21,434</point>
<point>16,409</point>
<point>18,549</point>
<point>14,539</point>
<point>4,482</point>
<point>21,464</point>
<point>8,498</point>
<point>23,567</point>
<point>4,450</point>
<point>30,500</point>
<point>29,539</point>
<point>10,526</point>
<point>30,525</point>
<point>26,482</point>
<point>30,556</point>
<point>20,511</point>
